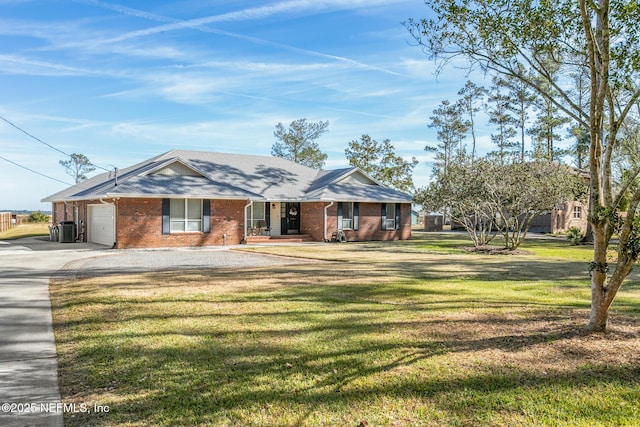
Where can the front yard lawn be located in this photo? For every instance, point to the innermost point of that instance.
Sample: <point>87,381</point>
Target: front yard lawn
<point>25,230</point>
<point>395,333</point>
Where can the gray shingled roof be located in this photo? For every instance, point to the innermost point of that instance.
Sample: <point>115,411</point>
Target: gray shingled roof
<point>232,176</point>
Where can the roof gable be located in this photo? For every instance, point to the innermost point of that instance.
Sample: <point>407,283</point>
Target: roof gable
<point>357,176</point>
<point>353,184</point>
<point>175,167</point>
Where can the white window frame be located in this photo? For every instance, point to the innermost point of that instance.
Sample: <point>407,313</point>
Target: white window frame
<point>390,220</point>
<point>577,212</point>
<point>251,214</point>
<point>191,222</point>
<point>347,220</point>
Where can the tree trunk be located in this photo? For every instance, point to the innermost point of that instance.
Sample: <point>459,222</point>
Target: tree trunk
<point>603,293</point>
<point>598,318</point>
<point>604,287</point>
<point>599,307</point>
<point>598,270</point>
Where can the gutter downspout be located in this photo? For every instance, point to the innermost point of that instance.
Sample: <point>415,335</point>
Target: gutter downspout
<point>326,208</point>
<point>245,219</point>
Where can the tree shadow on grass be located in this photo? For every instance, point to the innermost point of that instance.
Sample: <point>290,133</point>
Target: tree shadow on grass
<point>171,383</point>
<point>311,345</point>
<point>330,340</point>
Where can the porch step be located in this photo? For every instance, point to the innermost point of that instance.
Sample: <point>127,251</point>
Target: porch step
<point>291,238</point>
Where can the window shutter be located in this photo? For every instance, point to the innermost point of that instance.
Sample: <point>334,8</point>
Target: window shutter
<point>206,216</point>
<point>267,214</point>
<point>339,215</point>
<point>356,214</point>
<point>398,216</point>
<point>166,216</point>
<point>383,215</point>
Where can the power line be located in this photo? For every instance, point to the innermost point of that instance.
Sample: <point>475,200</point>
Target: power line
<point>31,170</point>
<point>31,136</point>
<point>42,142</point>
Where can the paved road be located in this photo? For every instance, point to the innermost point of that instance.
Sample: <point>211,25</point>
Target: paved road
<point>28,364</point>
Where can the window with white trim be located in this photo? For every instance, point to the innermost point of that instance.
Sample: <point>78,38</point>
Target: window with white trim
<point>347,216</point>
<point>577,212</point>
<point>390,220</point>
<point>256,214</point>
<point>185,215</point>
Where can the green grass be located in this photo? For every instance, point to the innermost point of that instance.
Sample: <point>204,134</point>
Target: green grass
<point>395,333</point>
<point>558,248</point>
<point>25,230</point>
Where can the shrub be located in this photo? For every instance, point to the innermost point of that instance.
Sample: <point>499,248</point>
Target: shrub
<point>575,236</point>
<point>38,217</point>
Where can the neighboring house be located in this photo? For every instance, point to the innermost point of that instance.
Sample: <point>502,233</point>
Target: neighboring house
<point>572,213</point>
<point>194,198</point>
<point>561,219</point>
<point>415,217</point>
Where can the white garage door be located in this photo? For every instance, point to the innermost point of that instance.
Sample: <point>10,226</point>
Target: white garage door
<point>102,224</point>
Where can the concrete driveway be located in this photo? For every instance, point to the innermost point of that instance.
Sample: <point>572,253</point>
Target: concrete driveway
<point>29,394</point>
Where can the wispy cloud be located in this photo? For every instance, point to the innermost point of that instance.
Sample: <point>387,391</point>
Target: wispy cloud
<point>201,24</point>
<point>92,78</point>
<point>304,7</point>
<point>12,64</point>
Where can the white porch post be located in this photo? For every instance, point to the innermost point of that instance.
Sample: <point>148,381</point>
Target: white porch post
<point>326,208</point>
<point>246,223</point>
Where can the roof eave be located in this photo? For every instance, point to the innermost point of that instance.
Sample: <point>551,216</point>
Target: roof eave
<point>149,196</point>
<point>360,200</point>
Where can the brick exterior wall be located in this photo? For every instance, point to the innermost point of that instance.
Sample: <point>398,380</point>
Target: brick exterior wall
<point>65,212</point>
<point>563,220</point>
<point>312,220</point>
<point>370,224</point>
<point>139,223</point>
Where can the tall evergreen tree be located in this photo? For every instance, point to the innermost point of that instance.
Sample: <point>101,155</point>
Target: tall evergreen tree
<point>379,160</point>
<point>500,116</point>
<point>472,98</point>
<point>578,131</point>
<point>546,128</point>
<point>297,143</point>
<point>451,129</point>
<point>520,100</point>
<point>78,166</point>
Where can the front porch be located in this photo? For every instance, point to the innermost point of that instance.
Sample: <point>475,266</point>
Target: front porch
<point>291,238</point>
<point>273,219</point>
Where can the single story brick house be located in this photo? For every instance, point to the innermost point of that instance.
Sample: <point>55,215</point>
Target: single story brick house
<point>558,221</point>
<point>193,198</point>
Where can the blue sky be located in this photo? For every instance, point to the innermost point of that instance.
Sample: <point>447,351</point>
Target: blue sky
<point>122,82</point>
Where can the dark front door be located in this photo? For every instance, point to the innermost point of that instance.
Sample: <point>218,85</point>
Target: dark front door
<point>290,218</point>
